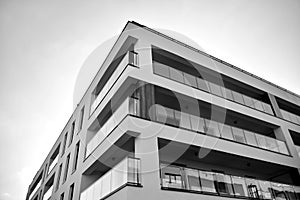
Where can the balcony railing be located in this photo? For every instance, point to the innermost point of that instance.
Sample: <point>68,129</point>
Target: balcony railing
<point>129,106</point>
<point>213,128</point>
<point>298,150</point>
<point>207,182</point>
<point>127,172</point>
<point>290,116</point>
<point>131,58</point>
<point>201,84</point>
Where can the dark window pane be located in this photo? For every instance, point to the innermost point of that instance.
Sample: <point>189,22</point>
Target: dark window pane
<point>224,184</point>
<point>171,177</point>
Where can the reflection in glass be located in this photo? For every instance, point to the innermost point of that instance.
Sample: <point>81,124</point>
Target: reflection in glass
<point>271,144</point>
<point>248,101</point>
<point>228,94</point>
<point>237,97</point>
<point>215,89</point>
<point>261,140</point>
<point>184,119</point>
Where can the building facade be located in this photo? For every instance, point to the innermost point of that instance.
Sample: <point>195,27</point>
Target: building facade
<point>164,120</point>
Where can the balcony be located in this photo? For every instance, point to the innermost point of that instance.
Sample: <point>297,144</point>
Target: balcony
<point>194,123</point>
<point>131,58</point>
<point>207,182</point>
<point>127,172</point>
<point>290,116</point>
<point>201,84</point>
<point>129,107</point>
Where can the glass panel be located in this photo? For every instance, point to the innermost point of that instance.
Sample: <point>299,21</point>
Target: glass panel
<point>133,174</point>
<point>294,118</point>
<point>267,108</point>
<point>250,138</point>
<point>261,140</point>
<point>215,89</point>
<point>272,144</point>
<point>171,117</point>
<point>97,189</point>
<point>282,147</point>
<point>197,123</point>
<point>258,105</point>
<point>226,131</point>
<point>161,114</point>
<point>278,192</point>
<point>212,128</point>
<point>207,181</point>
<point>176,75</point>
<point>161,69</point>
<point>224,184</point>
<point>265,188</point>
<point>202,84</point>
<point>190,80</point>
<point>106,184</point>
<point>171,177</point>
<point>228,94</point>
<point>297,149</point>
<point>253,188</point>
<point>237,97</point>
<point>248,101</point>
<point>238,135</point>
<point>239,186</point>
<point>184,119</point>
<point>193,180</point>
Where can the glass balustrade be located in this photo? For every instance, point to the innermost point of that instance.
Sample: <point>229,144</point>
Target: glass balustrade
<point>191,122</point>
<point>199,83</point>
<point>183,178</point>
<point>131,58</point>
<point>298,150</point>
<point>290,116</point>
<point>129,106</point>
<point>125,172</point>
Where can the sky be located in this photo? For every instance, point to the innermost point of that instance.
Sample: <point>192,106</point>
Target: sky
<point>43,45</point>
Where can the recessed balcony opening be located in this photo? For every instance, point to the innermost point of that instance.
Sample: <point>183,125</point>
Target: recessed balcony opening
<point>53,159</point>
<point>174,67</point>
<point>116,168</point>
<point>35,186</point>
<point>48,188</point>
<point>224,174</point>
<point>296,139</point>
<point>289,111</point>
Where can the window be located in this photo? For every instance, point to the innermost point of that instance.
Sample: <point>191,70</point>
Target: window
<point>66,168</point>
<point>72,133</point>
<point>81,119</point>
<point>71,192</point>
<point>224,184</point>
<point>58,177</point>
<point>62,196</point>
<point>76,156</point>
<point>239,186</point>
<point>193,179</point>
<point>207,181</point>
<point>171,177</point>
<point>64,144</point>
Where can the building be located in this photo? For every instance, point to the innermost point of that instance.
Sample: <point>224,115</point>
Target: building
<point>163,120</point>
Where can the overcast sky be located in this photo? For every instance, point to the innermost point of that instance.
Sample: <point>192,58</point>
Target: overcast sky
<point>44,43</point>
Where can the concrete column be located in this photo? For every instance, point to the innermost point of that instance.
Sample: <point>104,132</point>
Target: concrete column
<point>275,106</point>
